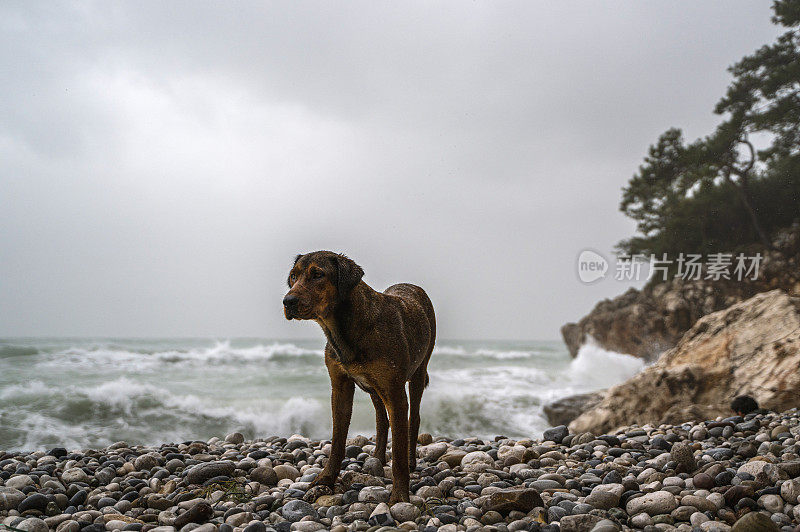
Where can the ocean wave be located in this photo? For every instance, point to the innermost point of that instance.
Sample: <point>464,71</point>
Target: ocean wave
<point>222,352</point>
<point>95,392</point>
<point>497,354</point>
<point>449,350</point>
<point>594,368</point>
<point>10,350</point>
<point>504,355</point>
<point>35,415</point>
<point>599,368</point>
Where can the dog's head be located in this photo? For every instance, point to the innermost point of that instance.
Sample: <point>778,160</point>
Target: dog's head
<point>318,282</point>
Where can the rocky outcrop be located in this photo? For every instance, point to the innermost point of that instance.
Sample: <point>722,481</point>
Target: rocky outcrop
<point>752,348</point>
<point>563,411</point>
<point>647,322</point>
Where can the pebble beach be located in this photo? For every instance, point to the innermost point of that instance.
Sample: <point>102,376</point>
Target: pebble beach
<point>740,474</point>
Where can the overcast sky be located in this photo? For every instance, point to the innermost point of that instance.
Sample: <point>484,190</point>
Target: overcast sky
<point>161,163</point>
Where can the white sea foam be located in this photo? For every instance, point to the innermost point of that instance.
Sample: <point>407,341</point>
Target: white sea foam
<point>498,354</point>
<point>35,387</point>
<point>92,393</point>
<point>449,350</point>
<point>597,368</point>
<point>594,368</point>
<point>219,353</point>
<point>504,355</point>
<point>92,413</point>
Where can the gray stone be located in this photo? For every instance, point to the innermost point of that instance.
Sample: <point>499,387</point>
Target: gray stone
<point>34,501</point>
<point>684,456</point>
<point>296,510</point>
<point>432,452</point>
<point>307,526</point>
<point>641,520</point>
<point>546,484</point>
<point>234,437</point>
<point>556,434</point>
<point>10,498</point>
<point>755,522</point>
<point>563,411</point>
<point>240,519</point>
<point>763,471</point>
<point>698,518</point>
<point>19,482</point>
<point>202,472</point>
<point>373,494</point>
<point>790,490</point>
<point>373,466</point>
<point>771,503</point>
<point>264,475</point>
<point>174,464</point>
<point>579,523</point>
<point>477,456</point>
<point>68,526</point>
<point>605,525</point>
<point>658,502</point>
<point>145,462</point>
<point>404,511</point>
<point>255,526</point>
<point>286,471</point>
<point>508,500</point>
<point>33,524</point>
<point>701,503</point>
<point>199,513</point>
<point>74,474</point>
<point>603,500</point>
<point>208,527</point>
<point>716,526</point>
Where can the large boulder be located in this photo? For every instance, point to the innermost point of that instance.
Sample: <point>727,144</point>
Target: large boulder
<point>753,347</point>
<point>562,411</point>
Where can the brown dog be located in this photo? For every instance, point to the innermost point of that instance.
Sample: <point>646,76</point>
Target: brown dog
<point>378,341</point>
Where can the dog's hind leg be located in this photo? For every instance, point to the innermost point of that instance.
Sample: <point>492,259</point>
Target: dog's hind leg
<point>396,403</point>
<point>381,427</point>
<point>415,388</point>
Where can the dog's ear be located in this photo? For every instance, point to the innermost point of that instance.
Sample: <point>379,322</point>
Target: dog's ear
<point>348,275</point>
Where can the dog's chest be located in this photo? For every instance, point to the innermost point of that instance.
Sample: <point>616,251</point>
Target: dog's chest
<point>362,383</point>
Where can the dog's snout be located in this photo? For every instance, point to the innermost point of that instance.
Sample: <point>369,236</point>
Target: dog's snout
<point>290,301</point>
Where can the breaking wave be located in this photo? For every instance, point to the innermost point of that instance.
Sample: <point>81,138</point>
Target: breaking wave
<point>88,393</point>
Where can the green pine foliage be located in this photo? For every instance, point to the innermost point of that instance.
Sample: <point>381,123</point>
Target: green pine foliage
<point>721,193</point>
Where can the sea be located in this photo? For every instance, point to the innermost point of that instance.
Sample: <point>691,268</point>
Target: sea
<point>90,392</point>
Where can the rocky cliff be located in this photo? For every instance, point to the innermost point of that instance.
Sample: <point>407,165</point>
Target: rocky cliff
<point>647,322</point>
<point>752,347</point>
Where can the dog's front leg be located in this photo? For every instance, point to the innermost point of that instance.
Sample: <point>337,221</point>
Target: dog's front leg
<point>397,407</point>
<point>342,389</point>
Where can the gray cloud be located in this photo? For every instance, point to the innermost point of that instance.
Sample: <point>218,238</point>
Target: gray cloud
<point>161,163</point>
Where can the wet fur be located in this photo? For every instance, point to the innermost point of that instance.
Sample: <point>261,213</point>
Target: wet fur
<point>376,341</point>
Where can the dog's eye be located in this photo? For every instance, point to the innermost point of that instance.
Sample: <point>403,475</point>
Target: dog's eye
<point>317,274</point>
<point>293,277</point>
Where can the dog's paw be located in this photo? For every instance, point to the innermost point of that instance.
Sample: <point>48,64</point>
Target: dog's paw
<point>317,491</point>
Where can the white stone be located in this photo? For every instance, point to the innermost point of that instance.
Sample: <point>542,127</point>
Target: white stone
<point>659,502</point>
<point>405,511</point>
<point>477,456</point>
<point>19,482</point>
<point>790,490</point>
